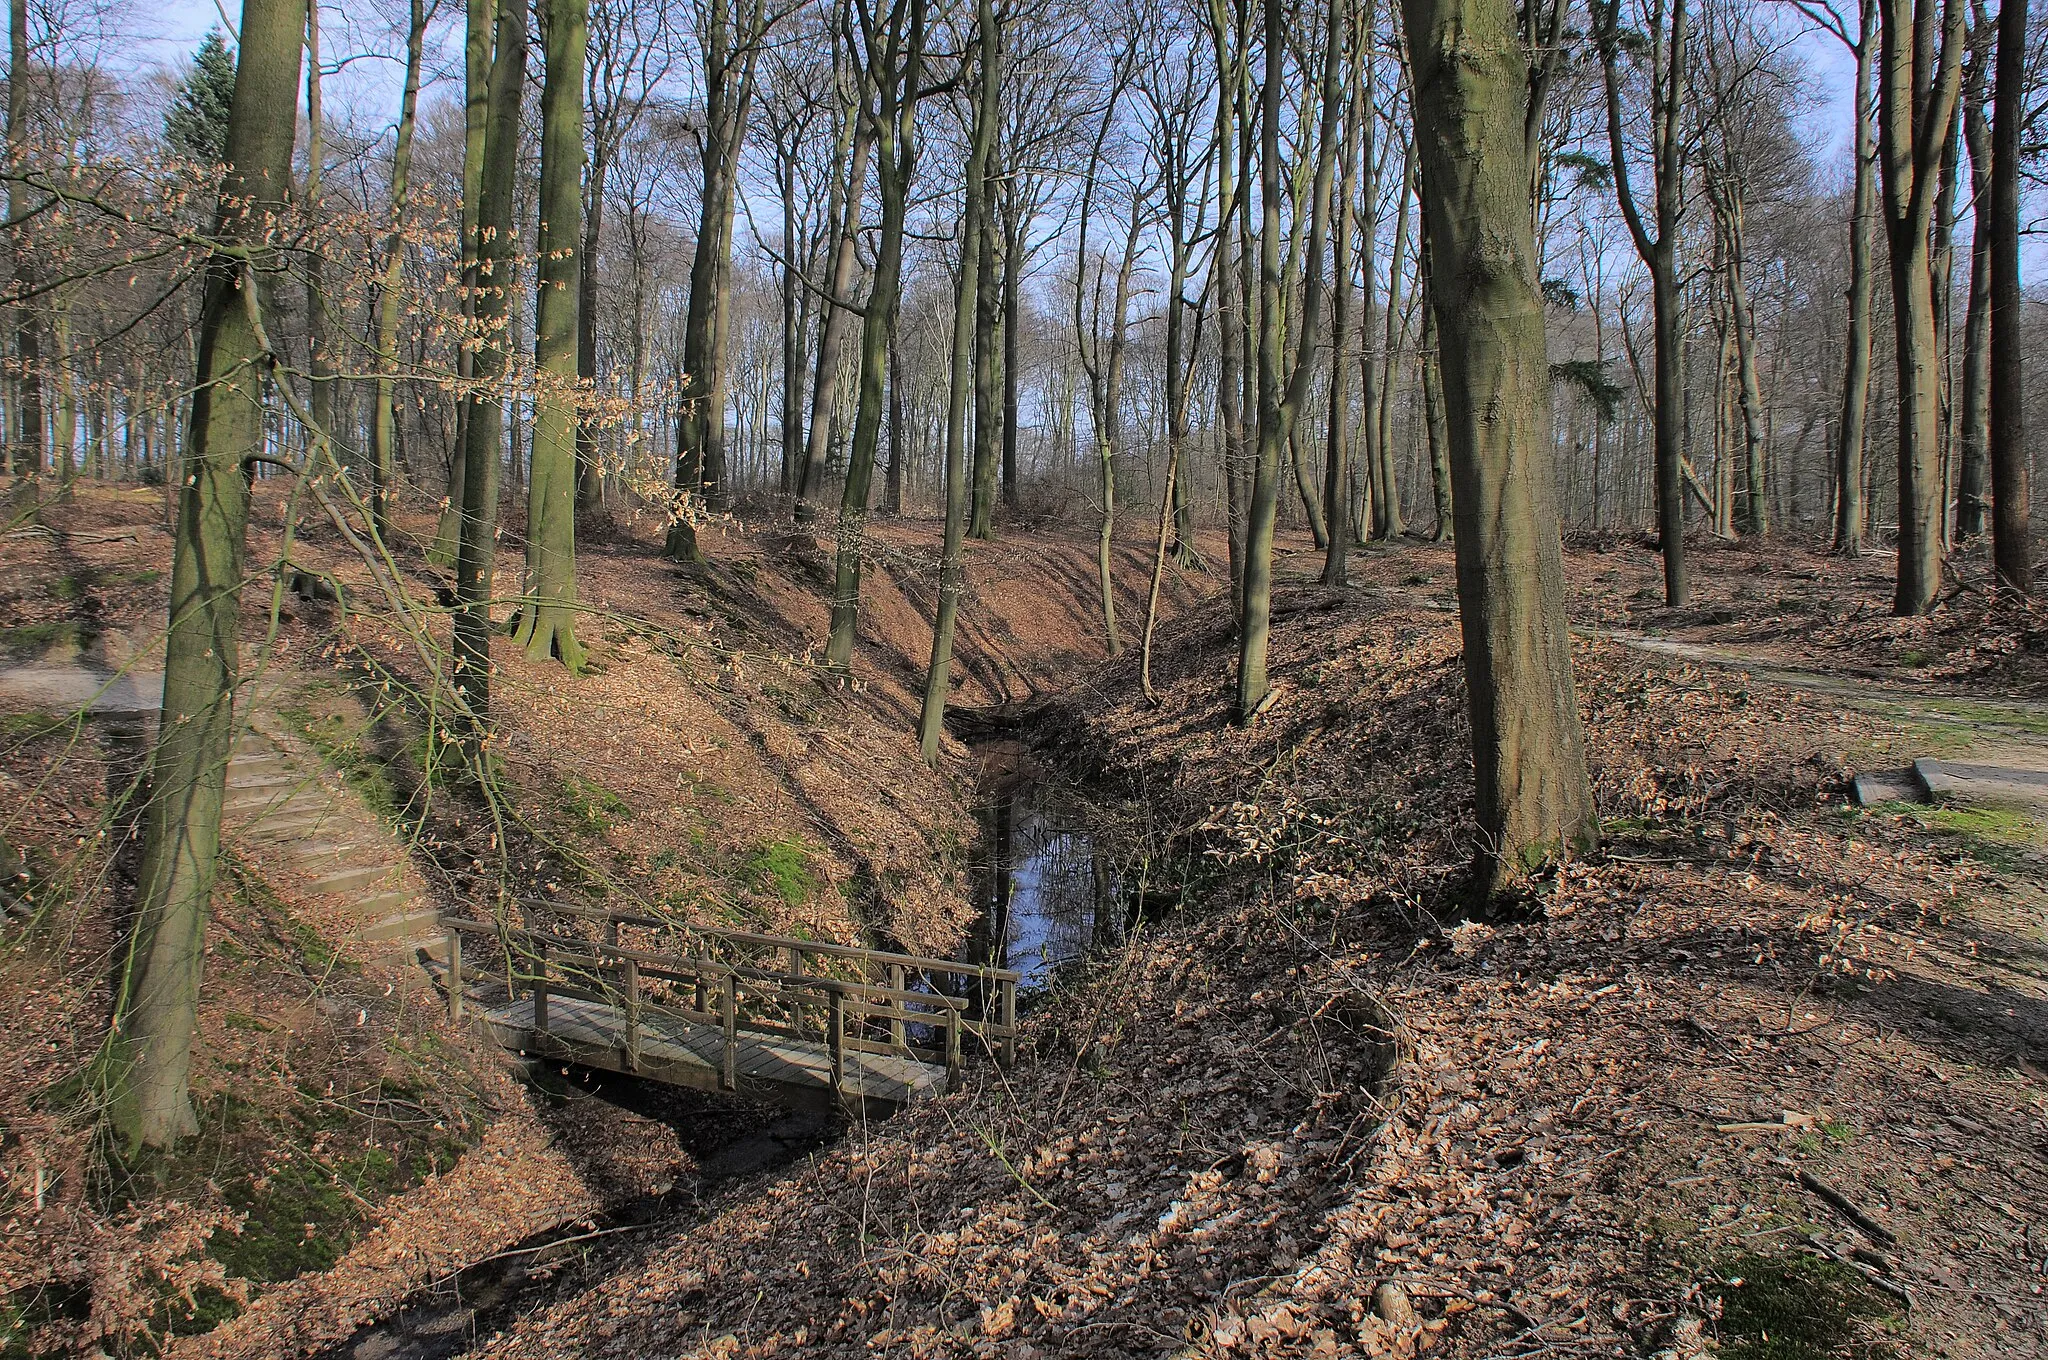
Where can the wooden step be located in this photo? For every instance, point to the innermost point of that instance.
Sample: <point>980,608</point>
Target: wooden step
<point>348,880</point>
<point>405,926</point>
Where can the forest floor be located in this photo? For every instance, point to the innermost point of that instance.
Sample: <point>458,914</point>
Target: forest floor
<point>1767,1074</point>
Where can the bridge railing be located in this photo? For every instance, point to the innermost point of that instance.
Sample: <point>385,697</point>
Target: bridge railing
<point>991,1019</point>
<point>848,1017</point>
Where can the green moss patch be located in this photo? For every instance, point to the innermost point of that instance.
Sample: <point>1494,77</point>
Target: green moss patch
<point>591,807</point>
<point>1796,1308</point>
<point>783,867</point>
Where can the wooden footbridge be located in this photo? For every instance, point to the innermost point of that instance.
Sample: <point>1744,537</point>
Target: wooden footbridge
<point>797,1022</point>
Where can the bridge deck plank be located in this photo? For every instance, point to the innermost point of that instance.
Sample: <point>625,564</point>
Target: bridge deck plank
<point>594,1033</point>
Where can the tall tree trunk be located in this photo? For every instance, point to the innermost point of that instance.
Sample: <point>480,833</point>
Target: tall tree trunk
<point>384,416</point>
<point>1281,394</point>
<point>899,69</point>
<point>26,390</point>
<point>156,1008</point>
<point>1850,439</point>
<point>1973,401</point>
<point>484,425</point>
<point>988,411</point>
<point>1918,80</point>
<point>589,458</point>
<point>1471,84</point>
<point>2011,496</point>
<point>1668,64</point>
<point>731,51</point>
<point>969,331</point>
<point>547,625</point>
<point>899,433</point>
<point>481,25</point>
<point>843,211</point>
<point>1435,419</point>
<point>795,319</point>
<point>1386,516</point>
<point>1756,516</point>
<point>1230,324</point>
<point>64,431</point>
<point>1337,446</point>
<point>319,365</point>
<point>1013,325</point>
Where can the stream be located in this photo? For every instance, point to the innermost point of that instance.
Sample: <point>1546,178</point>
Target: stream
<point>1047,895</point>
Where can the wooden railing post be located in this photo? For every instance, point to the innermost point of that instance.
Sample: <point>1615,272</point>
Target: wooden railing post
<point>955,1020</point>
<point>836,1040</point>
<point>1009,986</point>
<point>896,1034</point>
<point>632,971</point>
<point>540,989</point>
<point>730,1016</point>
<point>454,975</point>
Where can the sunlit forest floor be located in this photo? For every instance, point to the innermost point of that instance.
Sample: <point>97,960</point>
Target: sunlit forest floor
<point>1766,1075</point>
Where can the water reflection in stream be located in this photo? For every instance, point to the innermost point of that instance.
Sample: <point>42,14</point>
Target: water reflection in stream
<point>1047,894</point>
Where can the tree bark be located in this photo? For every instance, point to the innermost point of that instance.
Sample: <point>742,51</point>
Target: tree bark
<point>156,1009</point>
<point>969,331</point>
<point>2011,496</point>
<point>1433,414</point>
<point>484,425</point>
<point>898,70</point>
<point>1659,255</point>
<point>844,211</point>
<point>1973,399</point>
<point>1013,326</point>
<point>384,416</point>
<point>547,624</point>
<point>1337,440</point>
<point>26,389</point>
<point>1918,81</point>
<point>1281,394</point>
<point>1471,84</point>
<point>731,50</point>
<point>1849,445</point>
<point>988,410</point>
<point>481,20</point>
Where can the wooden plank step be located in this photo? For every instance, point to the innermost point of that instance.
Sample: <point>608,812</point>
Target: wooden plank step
<point>404,926</point>
<point>348,880</point>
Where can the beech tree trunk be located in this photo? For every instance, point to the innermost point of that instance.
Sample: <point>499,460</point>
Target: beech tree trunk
<point>1280,393</point>
<point>1471,83</point>
<point>547,622</point>
<point>384,415</point>
<point>156,1008</point>
<point>1918,80</point>
<point>481,20</point>
<point>483,448</point>
<point>1667,60</point>
<point>731,41</point>
<point>1973,398</point>
<point>1849,445</point>
<point>2011,496</point>
<point>26,390</point>
<point>843,210</point>
<point>969,330</point>
<point>898,70</point>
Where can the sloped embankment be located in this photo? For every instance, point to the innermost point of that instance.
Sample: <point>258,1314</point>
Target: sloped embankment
<point>1616,1108</point>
